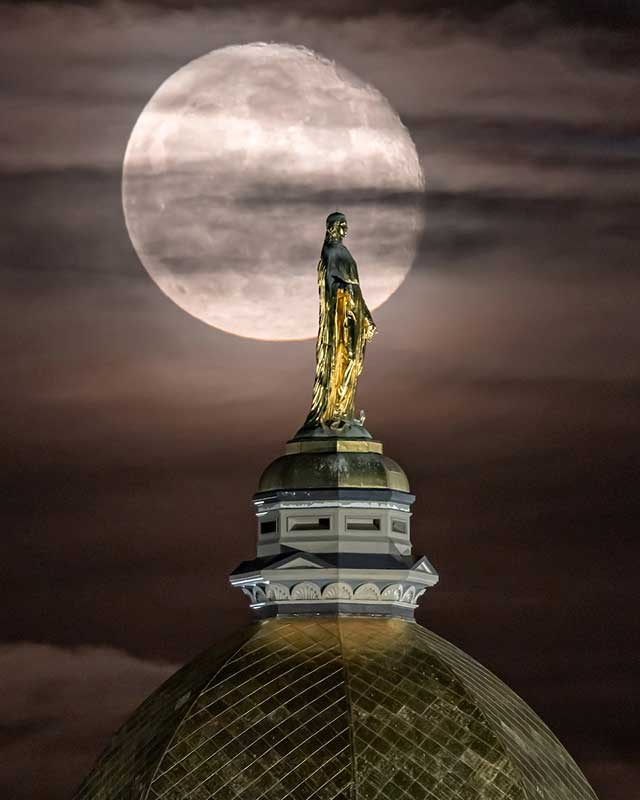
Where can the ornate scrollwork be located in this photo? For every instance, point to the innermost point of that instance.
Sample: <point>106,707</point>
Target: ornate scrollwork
<point>341,590</point>
<point>409,596</point>
<point>277,591</point>
<point>337,591</point>
<point>367,591</point>
<point>392,592</point>
<point>305,591</point>
<point>259,595</point>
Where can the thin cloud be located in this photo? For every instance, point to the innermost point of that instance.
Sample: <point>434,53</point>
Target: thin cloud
<point>60,706</point>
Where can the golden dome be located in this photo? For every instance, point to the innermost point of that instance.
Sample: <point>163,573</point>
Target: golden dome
<point>335,708</point>
<point>329,464</point>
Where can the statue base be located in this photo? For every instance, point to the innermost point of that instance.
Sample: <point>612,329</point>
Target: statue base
<point>347,429</point>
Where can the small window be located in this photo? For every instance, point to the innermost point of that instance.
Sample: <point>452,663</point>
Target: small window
<point>398,526</point>
<point>309,523</point>
<point>269,526</point>
<point>364,524</point>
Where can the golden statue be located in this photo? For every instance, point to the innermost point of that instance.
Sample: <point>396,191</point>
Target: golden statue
<point>344,330</point>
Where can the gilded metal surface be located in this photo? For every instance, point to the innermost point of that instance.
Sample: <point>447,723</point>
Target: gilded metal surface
<point>126,767</point>
<point>345,327</point>
<point>336,709</point>
<point>354,470</point>
<point>333,446</point>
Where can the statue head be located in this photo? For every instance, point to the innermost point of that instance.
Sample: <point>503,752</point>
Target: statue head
<point>336,227</point>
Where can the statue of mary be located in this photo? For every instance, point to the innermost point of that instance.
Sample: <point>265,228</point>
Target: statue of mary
<point>345,328</point>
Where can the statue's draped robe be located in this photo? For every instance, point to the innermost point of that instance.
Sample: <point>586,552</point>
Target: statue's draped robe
<point>345,328</point>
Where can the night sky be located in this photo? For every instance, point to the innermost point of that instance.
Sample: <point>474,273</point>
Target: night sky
<point>504,379</point>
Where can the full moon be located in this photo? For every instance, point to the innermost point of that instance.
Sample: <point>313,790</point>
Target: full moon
<point>232,168</point>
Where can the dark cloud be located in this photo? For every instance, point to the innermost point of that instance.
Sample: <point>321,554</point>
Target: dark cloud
<point>589,234</point>
<point>606,14</point>
<point>542,141</point>
<point>60,706</point>
<point>619,52</point>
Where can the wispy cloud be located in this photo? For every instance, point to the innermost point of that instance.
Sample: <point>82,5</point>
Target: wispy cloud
<point>60,706</point>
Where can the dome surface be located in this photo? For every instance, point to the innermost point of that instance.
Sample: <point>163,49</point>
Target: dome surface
<point>358,470</point>
<point>330,708</point>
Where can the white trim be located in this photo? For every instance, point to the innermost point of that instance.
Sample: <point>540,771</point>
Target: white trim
<point>321,600</point>
<point>334,574</point>
<point>256,577</point>
<point>369,575</point>
<point>293,504</point>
